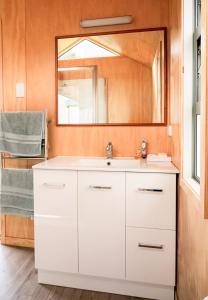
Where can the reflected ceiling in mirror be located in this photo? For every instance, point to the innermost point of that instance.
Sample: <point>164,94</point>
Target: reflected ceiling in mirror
<point>112,78</point>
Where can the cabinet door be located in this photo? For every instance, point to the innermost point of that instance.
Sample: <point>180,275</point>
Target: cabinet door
<point>101,214</point>
<point>150,256</point>
<point>151,200</point>
<point>55,192</point>
<point>55,244</point>
<point>56,220</point>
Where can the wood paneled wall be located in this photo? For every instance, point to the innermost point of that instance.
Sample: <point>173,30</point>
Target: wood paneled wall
<point>174,78</point>
<point>192,273</point>
<point>15,230</point>
<point>1,82</point>
<point>192,247</point>
<point>14,53</point>
<point>1,68</point>
<point>47,19</point>
<point>29,29</point>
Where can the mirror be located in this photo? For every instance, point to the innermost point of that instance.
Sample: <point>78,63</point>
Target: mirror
<point>112,78</point>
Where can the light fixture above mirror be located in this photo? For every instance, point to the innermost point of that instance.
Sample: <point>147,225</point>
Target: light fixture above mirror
<point>106,21</point>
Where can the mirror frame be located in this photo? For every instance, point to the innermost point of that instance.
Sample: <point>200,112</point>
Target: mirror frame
<point>164,29</point>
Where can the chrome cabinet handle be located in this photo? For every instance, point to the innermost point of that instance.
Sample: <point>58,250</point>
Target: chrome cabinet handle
<point>54,186</point>
<point>99,187</point>
<point>160,247</point>
<point>150,190</point>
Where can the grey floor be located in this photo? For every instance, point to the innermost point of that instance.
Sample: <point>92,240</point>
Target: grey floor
<point>18,280</point>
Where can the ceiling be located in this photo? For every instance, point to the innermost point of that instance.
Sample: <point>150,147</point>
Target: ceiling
<point>139,46</point>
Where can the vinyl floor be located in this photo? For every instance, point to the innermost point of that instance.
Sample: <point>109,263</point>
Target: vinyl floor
<point>18,280</point>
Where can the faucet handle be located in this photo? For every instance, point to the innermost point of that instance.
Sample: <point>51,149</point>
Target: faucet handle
<point>109,150</point>
<point>109,145</point>
<point>144,148</point>
<point>144,144</point>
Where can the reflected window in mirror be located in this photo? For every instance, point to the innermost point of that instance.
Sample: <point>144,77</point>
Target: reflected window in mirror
<point>81,96</point>
<point>112,78</point>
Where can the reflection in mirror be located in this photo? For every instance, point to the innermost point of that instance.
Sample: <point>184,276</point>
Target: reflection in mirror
<point>81,96</point>
<point>114,78</point>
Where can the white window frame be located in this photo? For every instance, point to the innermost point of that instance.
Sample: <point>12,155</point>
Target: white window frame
<point>188,95</point>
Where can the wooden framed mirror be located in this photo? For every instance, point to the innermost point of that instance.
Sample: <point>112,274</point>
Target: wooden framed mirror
<point>112,78</point>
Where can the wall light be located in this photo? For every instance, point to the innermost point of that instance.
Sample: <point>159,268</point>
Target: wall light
<point>106,21</point>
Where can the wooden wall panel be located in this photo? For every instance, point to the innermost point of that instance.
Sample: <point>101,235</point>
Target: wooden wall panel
<point>14,57</point>
<point>192,248</point>
<point>47,19</point>
<point>15,223</point>
<point>1,86</point>
<point>174,78</point>
<point>12,46</point>
<point>29,30</point>
<point>1,67</point>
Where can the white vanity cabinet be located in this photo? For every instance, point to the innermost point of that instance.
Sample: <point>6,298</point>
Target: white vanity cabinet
<point>101,214</point>
<point>106,229</point>
<point>55,205</point>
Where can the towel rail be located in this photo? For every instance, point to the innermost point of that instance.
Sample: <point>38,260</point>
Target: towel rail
<point>28,242</point>
<point>24,157</point>
<point>5,156</point>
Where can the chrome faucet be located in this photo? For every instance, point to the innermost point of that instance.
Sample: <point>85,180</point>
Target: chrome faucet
<point>109,150</point>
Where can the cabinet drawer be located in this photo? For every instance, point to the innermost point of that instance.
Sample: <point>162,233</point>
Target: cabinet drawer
<point>56,246</point>
<point>150,256</point>
<point>151,200</point>
<point>101,215</point>
<point>55,192</point>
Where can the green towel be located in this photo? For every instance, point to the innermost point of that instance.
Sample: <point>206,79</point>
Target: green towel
<point>16,197</point>
<point>22,133</point>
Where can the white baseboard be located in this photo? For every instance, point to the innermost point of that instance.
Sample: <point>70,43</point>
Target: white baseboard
<point>122,287</point>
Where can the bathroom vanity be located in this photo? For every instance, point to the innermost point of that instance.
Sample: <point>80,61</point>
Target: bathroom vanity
<point>106,225</point>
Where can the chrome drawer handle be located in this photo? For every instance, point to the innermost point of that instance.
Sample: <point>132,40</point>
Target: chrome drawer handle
<point>99,187</point>
<point>54,186</point>
<point>150,190</point>
<point>160,247</point>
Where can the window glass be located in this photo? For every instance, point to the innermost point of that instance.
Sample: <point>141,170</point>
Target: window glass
<point>197,90</point>
<point>87,49</point>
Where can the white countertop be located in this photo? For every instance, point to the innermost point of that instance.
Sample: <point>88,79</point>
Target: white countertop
<point>118,164</point>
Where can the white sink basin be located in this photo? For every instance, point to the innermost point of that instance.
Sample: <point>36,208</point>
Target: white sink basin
<point>101,163</point>
<point>111,163</point>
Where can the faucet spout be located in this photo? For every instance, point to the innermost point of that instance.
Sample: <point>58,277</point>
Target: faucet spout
<point>109,151</point>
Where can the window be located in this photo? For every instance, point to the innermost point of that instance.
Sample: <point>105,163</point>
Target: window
<point>197,89</point>
<point>192,94</point>
<point>87,49</point>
